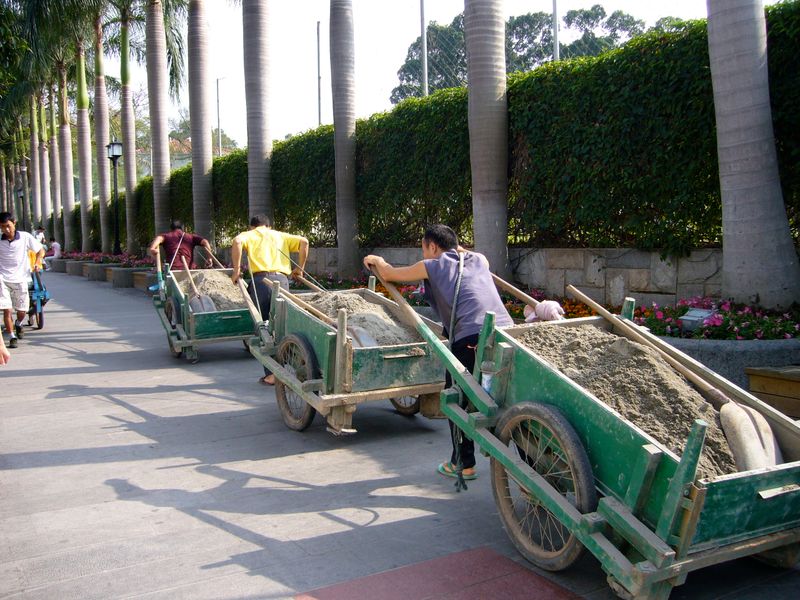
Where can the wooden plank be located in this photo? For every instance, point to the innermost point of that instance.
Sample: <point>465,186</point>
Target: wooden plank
<point>649,545</point>
<point>642,478</point>
<point>788,406</point>
<point>778,387</point>
<point>789,372</point>
<point>382,394</point>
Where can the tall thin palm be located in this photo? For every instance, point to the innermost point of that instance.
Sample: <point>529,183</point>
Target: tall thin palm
<point>484,31</point>
<point>55,168</point>
<point>84,146</point>
<point>200,114</point>
<point>759,261</point>
<point>34,156</point>
<point>344,137</point>
<point>44,164</point>
<point>255,15</point>
<point>101,133</point>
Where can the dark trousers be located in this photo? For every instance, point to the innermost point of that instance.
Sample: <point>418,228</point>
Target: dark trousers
<point>464,351</point>
<point>262,284</point>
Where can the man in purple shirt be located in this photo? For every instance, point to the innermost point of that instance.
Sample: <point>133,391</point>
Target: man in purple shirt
<point>477,294</point>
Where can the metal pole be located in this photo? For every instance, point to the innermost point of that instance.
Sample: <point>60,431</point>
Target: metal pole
<point>319,83</point>
<point>219,129</point>
<point>117,249</point>
<point>556,50</point>
<point>424,52</point>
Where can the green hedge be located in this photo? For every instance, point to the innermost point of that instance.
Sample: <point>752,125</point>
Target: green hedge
<point>615,150</point>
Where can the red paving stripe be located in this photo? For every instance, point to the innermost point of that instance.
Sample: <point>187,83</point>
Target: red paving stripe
<point>468,575</point>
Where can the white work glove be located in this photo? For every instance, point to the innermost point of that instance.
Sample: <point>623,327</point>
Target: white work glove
<point>547,310</point>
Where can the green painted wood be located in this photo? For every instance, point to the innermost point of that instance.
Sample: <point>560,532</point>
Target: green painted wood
<point>394,366</point>
<point>734,510</point>
<point>223,323</point>
<point>647,543</point>
<point>642,478</point>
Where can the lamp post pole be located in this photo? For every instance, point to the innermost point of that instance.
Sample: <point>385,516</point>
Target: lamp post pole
<point>114,152</point>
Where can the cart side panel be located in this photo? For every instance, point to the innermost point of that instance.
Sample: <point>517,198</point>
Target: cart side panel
<point>614,445</point>
<point>223,323</point>
<point>379,367</point>
<point>744,505</point>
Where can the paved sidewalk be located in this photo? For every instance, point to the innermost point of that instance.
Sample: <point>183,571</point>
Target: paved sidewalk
<point>127,473</point>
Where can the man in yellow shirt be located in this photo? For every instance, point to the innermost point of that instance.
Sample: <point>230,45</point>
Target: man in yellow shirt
<point>268,253</point>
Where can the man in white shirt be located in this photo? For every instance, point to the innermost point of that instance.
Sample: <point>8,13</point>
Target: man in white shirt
<point>14,271</point>
<point>53,252</point>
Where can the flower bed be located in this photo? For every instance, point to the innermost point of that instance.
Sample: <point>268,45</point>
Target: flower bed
<point>118,260</point>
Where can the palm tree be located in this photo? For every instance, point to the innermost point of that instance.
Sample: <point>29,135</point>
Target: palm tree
<point>101,135</point>
<point>344,137</point>
<point>157,82</point>
<point>34,156</point>
<point>44,164</point>
<point>255,14</point>
<point>759,259</point>
<point>484,32</point>
<point>55,173</point>
<point>84,147</point>
<point>65,157</point>
<point>200,114</point>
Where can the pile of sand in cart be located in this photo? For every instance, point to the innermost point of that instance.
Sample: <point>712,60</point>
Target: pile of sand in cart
<point>636,382</point>
<point>217,286</point>
<point>374,318</point>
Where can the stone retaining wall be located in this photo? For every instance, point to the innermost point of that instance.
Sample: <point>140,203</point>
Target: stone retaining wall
<point>607,275</point>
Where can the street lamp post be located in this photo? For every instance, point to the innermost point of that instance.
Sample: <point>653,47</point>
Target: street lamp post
<point>114,152</point>
<point>21,197</point>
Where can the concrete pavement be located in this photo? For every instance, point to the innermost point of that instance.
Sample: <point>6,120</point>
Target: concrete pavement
<point>127,473</point>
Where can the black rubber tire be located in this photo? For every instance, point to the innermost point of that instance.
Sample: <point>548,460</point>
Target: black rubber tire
<point>295,354</point>
<point>171,312</point>
<point>534,530</point>
<point>38,318</point>
<point>407,406</point>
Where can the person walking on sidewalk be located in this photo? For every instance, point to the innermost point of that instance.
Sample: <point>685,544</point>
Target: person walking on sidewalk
<point>268,253</point>
<point>14,271</point>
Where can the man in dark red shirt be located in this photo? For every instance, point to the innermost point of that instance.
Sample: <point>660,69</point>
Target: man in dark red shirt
<point>177,243</point>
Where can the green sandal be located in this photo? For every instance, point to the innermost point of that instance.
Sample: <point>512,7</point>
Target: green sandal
<point>448,469</point>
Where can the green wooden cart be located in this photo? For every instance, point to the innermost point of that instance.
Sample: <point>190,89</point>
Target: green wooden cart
<point>320,368</point>
<point>188,330</point>
<point>569,473</point>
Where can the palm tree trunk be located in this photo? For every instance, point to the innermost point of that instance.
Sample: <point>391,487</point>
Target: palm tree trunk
<point>255,15</point>
<point>157,83</point>
<point>484,31</point>
<point>55,172</point>
<point>34,154</point>
<point>128,123</point>
<point>343,83</point>
<point>759,263</point>
<point>3,186</point>
<point>101,137</point>
<point>44,168</point>
<point>84,152</point>
<point>200,115</point>
<point>25,209</point>
<point>65,161</point>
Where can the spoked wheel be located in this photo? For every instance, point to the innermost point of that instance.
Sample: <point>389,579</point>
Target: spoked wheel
<point>171,312</point>
<point>172,350</point>
<point>406,405</point>
<point>296,356</point>
<point>38,318</point>
<point>544,439</point>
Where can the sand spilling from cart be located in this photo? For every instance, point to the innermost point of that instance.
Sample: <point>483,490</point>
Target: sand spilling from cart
<point>379,322</point>
<point>217,286</point>
<point>634,380</point>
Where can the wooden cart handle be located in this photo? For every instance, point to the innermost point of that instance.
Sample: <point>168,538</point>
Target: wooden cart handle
<point>189,275</point>
<point>215,259</point>
<point>254,312</point>
<point>514,291</point>
<point>308,284</point>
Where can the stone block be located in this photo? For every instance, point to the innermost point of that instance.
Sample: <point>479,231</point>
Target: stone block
<point>531,267</point>
<point>85,268</point>
<point>142,280</point>
<point>594,272</point>
<point>643,299</point>
<point>616,286</point>
<point>565,258</point>
<point>663,274</point>
<point>639,280</point>
<point>554,286</point>
<point>122,277</point>
<point>598,294</point>
<point>700,266</point>
<point>96,272</point>
<point>712,290</point>
<point>689,290</point>
<point>627,258</point>
<point>574,277</point>
<point>59,265</point>
<point>75,267</point>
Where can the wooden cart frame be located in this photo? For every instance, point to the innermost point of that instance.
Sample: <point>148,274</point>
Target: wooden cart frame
<point>187,331</point>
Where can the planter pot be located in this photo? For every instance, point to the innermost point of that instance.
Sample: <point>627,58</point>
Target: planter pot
<point>729,358</point>
<point>108,270</point>
<point>96,272</point>
<point>122,277</point>
<point>75,267</point>
<point>59,265</point>
<point>144,279</point>
<point>85,268</point>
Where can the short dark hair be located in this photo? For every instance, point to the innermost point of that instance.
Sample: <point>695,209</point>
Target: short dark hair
<point>5,217</point>
<point>259,220</point>
<point>442,236</point>
<point>52,239</point>
<point>175,224</point>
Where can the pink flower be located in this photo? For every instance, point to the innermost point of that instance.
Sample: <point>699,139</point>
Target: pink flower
<point>659,315</point>
<point>788,336</point>
<point>738,337</point>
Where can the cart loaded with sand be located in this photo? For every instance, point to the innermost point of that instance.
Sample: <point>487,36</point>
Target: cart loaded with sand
<point>331,351</point>
<point>604,438</point>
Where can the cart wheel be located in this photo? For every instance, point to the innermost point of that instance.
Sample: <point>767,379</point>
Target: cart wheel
<point>171,312</point>
<point>295,355</point>
<point>175,353</point>
<point>545,440</point>
<point>406,405</point>
<point>38,318</point>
